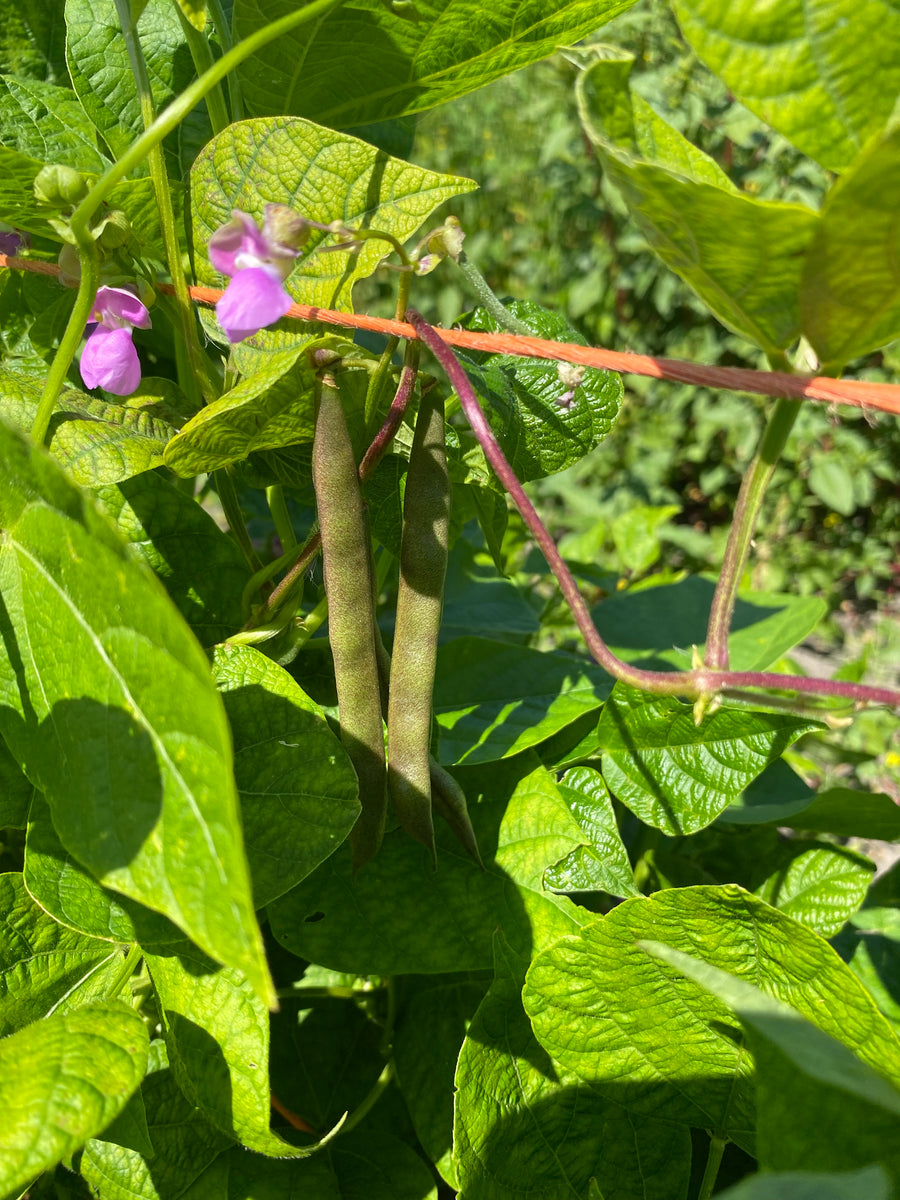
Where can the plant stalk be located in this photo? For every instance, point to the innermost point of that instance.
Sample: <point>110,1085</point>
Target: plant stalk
<point>488,297</point>
<point>717,1144</point>
<point>201,53</point>
<point>746,515</point>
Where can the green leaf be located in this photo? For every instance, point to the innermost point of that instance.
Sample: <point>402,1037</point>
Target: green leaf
<point>217,1037</point>
<point>429,1033</point>
<point>850,302</point>
<point>820,886</point>
<point>477,602</point>
<point>99,67</point>
<point>372,62</point>
<point>602,1012</point>
<point>324,175</point>
<point>778,794</point>
<point>62,1081</point>
<point>71,895</point>
<point>869,1183</point>
<point>636,537</point>
<point>537,435</point>
<point>492,700</point>
<point>186,1147</point>
<point>818,1104</point>
<point>675,775</point>
<point>751,279</point>
<point>109,705</point>
<point>601,864</point>
<point>298,789</point>
<point>38,35</point>
<point>643,627</point>
<point>97,441</point>
<point>15,791</point>
<point>44,966</point>
<point>201,568</point>
<point>47,123</point>
<point>195,11</point>
<point>832,482</point>
<point>399,916</point>
<point>847,813</point>
<point>524,1126</point>
<point>17,207</point>
<point>824,76</point>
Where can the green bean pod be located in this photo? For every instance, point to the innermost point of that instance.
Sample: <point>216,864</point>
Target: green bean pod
<point>449,801</point>
<point>423,565</point>
<point>346,554</point>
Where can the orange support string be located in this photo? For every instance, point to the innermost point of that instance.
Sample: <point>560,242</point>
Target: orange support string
<point>883,397</point>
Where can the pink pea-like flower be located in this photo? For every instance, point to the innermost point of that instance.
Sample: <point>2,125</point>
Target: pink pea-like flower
<point>109,359</point>
<point>258,261</point>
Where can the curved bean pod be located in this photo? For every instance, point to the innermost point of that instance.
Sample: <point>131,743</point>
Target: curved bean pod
<point>346,553</point>
<point>423,565</point>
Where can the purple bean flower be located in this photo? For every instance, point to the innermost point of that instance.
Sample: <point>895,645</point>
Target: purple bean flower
<point>12,240</point>
<point>258,261</point>
<point>109,359</point>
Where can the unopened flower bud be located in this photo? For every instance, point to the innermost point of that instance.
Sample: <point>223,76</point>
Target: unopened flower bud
<point>113,231</point>
<point>285,228</point>
<point>69,267</point>
<point>59,186</point>
<point>571,376</point>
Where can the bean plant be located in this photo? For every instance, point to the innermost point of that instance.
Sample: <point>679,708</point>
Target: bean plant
<point>339,863</point>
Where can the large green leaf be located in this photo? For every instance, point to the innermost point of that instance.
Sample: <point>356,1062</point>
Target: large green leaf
<point>47,123</point>
<point>850,303</point>
<point>778,794</point>
<point>37,38</point>
<point>17,207</point>
<point>200,567</point>
<point>601,864</point>
<point>217,1037</point>
<point>98,63</point>
<point>818,1105</point>
<point>526,1127</point>
<point>848,813</point>
<point>678,776</point>
<point>430,1030</point>
<point>604,1010</point>
<point>399,916</point>
<point>657,626</point>
<point>298,789</point>
<point>369,62</point>
<point>749,279</point>
<point>108,703</point>
<point>15,791</point>
<point>820,886</point>
<point>62,1081</point>
<point>97,441</point>
<point>824,75</point>
<point>324,175</point>
<point>43,965</point>
<point>492,699</point>
<point>538,435</point>
<point>72,896</point>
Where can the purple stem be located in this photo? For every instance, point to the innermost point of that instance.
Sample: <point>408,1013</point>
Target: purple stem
<point>691,684</point>
<point>399,404</point>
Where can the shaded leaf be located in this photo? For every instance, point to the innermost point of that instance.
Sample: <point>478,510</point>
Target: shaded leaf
<point>298,789</point>
<point>869,1183</point>
<point>492,699</point>
<point>847,813</point>
<point>373,62</point>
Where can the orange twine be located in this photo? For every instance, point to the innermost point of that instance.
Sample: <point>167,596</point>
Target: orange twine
<point>884,397</point>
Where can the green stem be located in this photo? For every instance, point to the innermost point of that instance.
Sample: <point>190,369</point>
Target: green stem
<point>365,1107</point>
<point>223,33</point>
<point>378,381</point>
<point>225,490</point>
<point>489,299</point>
<point>312,622</point>
<point>132,958</point>
<point>281,517</point>
<point>187,316</point>
<point>201,53</point>
<point>717,1144</point>
<point>71,339</point>
<point>80,222</point>
<point>746,515</point>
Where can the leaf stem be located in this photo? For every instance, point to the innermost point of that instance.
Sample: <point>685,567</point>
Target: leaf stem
<point>489,298</point>
<point>132,958</point>
<point>717,1144</point>
<point>223,33</point>
<point>746,514</point>
<point>201,53</point>
<point>281,517</point>
<point>187,314</point>
<point>225,490</point>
